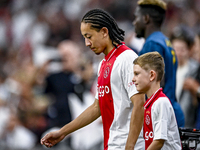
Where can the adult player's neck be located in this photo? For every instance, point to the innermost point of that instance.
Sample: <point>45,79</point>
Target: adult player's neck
<point>150,30</point>
<point>109,48</point>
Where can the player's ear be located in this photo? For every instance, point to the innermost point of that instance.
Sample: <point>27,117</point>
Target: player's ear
<point>152,75</point>
<point>104,31</point>
<point>146,18</point>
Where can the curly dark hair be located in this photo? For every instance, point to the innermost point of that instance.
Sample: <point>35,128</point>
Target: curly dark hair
<point>99,19</point>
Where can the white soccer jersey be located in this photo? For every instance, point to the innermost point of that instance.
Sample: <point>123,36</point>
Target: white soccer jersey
<point>161,112</point>
<point>162,120</point>
<point>114,89</point>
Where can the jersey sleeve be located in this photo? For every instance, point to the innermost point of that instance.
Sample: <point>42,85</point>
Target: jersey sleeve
<point>127,73</point>
<point>161,117</point>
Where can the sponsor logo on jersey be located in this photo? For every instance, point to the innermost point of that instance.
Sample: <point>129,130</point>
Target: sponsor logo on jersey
<point>148,135</point>
<point>103,90</point>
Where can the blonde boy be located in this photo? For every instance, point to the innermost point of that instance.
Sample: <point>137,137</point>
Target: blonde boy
<point>160,126</point>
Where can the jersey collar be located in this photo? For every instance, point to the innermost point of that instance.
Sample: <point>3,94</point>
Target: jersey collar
<point>112,52</point>
<point>152,98</point>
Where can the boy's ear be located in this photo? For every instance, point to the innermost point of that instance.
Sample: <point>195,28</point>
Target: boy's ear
<point>152,75</point>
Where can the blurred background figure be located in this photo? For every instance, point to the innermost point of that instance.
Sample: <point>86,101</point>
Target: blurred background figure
<point>60,82</point>
<point>196,51</point>
<point>16,136</point>
<point>183,41</point>
<point>193,84</point>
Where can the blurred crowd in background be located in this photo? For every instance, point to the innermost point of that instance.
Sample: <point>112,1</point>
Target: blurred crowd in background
<point>48,75</point>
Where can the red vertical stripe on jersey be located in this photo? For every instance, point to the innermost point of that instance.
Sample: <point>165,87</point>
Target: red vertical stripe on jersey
<point>148,127</point>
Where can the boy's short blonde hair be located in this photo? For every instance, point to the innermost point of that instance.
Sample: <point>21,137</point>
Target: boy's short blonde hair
<point>151,61</point>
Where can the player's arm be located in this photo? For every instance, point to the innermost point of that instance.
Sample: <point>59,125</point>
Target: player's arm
<point>156,145</point>
<point>136,122</point>
<point>85,118</point>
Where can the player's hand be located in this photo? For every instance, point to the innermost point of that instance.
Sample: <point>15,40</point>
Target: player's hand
<point>52,138</point>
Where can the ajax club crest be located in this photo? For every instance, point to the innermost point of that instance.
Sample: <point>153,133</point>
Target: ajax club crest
<point>106,72</point>
<point>147,119</point>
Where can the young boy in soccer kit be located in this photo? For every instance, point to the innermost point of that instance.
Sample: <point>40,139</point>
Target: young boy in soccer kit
<point>160,128</point>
